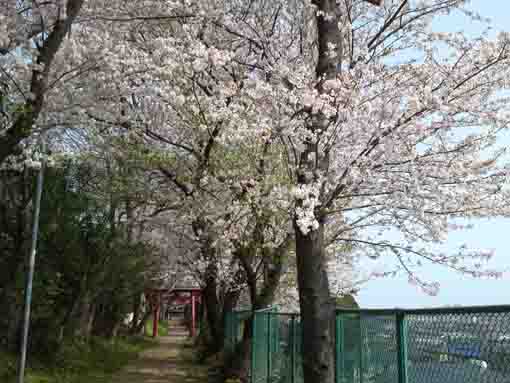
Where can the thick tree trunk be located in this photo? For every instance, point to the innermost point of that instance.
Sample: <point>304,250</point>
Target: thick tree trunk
<point>261,297</point>
<point>229,304</point>
<point>79,317</point>
<point>211,303</point>
<point>317,307</point>
<point>238,367</point>
<point>216,310</point>
<point>240,364</point>
<point>213,330</point>
<point>84,316</point>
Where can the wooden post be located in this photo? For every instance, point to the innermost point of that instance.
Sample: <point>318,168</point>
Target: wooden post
<point>193,314</point>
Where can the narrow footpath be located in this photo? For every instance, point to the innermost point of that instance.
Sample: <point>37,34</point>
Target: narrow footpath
<point>169,361</point>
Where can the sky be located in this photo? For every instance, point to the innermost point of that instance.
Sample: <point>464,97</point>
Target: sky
<point>486,234</point>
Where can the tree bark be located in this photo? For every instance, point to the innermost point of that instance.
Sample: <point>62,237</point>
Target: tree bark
<point>90,319</point>
<point>238,367</point>
<point>212,306</point>
<point>261,297</point>
<point>141,325</point>
<point>211,303</point>
<point>317,308</point>
<point>84,316</point>
<point>229,303</point>
<point>137,308</point>
<point>114,321</point>
<point>216,308</point>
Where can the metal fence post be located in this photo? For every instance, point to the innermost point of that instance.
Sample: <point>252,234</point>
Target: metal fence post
<point>236,328</point>
<point>360,349</point>
<point>339,347</point>
<point>401,347</point>
<point>293,349</point>
<point>227,332</point>
<point>253,346</point>
<point>268,347</point>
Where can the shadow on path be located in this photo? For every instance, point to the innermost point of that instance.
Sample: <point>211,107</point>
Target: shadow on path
<point>169,361</point>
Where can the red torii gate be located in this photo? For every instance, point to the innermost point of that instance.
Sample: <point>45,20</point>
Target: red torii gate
<point>181,296</point>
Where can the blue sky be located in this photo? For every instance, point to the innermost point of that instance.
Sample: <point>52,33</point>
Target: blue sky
<point>486,234</point>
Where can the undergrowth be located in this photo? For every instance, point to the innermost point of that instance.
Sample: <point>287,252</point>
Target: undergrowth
<point>77,362</point>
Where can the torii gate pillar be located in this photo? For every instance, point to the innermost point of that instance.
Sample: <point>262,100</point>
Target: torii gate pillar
<point>155,320</point>
<point>196,298</point>
<point>154,298</point>
<point>193,314</point>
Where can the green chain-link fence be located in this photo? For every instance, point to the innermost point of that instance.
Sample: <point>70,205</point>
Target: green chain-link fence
<point>448,345</point>
<point>276,348</point>
<point>234,326</point>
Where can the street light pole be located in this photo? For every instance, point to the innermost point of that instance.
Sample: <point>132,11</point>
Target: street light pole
<point>31,267</point>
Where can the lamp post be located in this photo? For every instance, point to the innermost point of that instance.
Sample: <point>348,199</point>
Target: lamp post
<point>31,267</point>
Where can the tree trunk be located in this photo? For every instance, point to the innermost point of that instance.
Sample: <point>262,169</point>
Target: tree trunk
<point>261,298</point>
<point>90,320</point>
<point>138,315</point>
<point>79,317</point>
<point>237,366</point>
<point>137,307</point>
<point>114,329</point>
<point>317,308</point>
<point>141,326</point>
<point>211,303</point>
<point>229,303</point>
<point>84,316</point>
<point>22,125</point>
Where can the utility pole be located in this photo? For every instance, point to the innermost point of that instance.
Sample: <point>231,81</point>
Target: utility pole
<point>31,267</point>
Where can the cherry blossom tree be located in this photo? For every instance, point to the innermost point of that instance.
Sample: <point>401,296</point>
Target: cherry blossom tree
<point>387,141</point>
<point>33,33</point>
<point>377,127</point>
<point>343,124</point>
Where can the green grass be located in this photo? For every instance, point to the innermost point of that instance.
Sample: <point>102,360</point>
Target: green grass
<point>78,362</point>
<point>7,366</point>
<point>162,327</point>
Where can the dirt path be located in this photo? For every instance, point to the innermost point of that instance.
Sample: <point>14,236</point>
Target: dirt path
<point>169,361</point>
